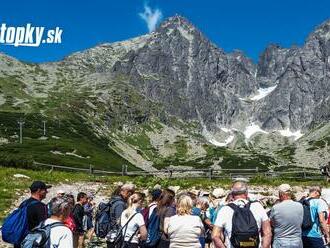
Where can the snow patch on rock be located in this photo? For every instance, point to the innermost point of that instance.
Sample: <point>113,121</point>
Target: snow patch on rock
<point>263,92</point>
<point>287,133</point>
<point>252,129</point>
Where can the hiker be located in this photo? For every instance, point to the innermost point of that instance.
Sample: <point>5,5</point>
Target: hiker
<point>69,221</point>
<point>286,219</point>
<point>88,217</point>
<point>202,210</point>
<point>165,210</point>
<point>132,222</point>
<point>60,236</point>
<point>28,215</point>
<point>118,204</point>
<point>36,212</point>
<point>52,232</point>
<point>250,217</point>
<point>155,195</point>
<point>78,215</point>
<point>312,237</point>
<point>184,229</point>
<point>59,193</point>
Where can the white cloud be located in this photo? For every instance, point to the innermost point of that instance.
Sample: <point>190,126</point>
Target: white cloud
<point>151,17</point>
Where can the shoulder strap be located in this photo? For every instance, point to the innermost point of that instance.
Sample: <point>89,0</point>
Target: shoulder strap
<point>233,206</point>
<point>125,227</point>
<point>129,220</point>
<point>56,224</point>
<point>51,225</point>
<point>26,203</point>
<point>130,239</point>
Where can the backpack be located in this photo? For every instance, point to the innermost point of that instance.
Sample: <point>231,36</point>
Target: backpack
<point>145,213</point>
<point>103,218</point>
<point>245,231</point>
<point>39,236</point>
<point>119,241</point>
<point>15,226</point>
<point>153,229</point>
<point>307,218</point>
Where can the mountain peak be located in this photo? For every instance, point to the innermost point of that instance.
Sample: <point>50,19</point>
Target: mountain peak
<point>322,31</point>
<point>175,22</point>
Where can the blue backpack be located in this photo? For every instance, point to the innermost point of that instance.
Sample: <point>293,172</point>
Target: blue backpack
<point>15,226</point>
<point>153,228</point>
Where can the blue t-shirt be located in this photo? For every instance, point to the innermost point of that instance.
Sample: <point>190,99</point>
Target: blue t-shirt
<point>317,206</point>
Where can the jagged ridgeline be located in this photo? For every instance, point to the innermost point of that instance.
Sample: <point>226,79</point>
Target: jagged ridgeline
<point>170,98</point>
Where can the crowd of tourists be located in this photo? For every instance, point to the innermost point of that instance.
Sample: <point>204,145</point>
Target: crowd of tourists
<point>131,219</point>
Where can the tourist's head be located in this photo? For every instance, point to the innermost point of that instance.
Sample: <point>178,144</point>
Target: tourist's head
<point>39,190</point>
<point>60,192</point>
<point>284,192</point>
<point>202,203</point>
<point>166,199</point>
<point>155,195</point>
<point>90,197</point>
<point>193,197</point>
<point>136,200</point>
<point>315,191</point>
<point>127,190</point>
<point>82,198</point>
<point>61,207</point>
<point>239,190</point>
<point>184,205</point>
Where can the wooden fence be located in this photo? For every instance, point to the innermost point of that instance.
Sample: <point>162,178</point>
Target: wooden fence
<point>300,173</point>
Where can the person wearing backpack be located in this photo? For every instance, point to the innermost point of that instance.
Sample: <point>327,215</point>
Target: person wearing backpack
<point>117,205</point>
<point>37,212</point>
<point>313,237</point>
<point>78,215</point>
<point>185,229</point>
<point>52,233</point>
<point>201,210</point>
<point>155,195</point>
<point>165,210</point>
<point>286,220</point>
<point>132,222</point>
<point>28,215</point>
<point>240,223</point>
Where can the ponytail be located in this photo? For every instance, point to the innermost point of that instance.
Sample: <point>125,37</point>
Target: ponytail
<point>132,200</point>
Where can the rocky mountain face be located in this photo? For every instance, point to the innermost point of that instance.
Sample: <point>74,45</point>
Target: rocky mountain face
<point>172,92</point>
<point>301,97</point>
<point>195,80</point>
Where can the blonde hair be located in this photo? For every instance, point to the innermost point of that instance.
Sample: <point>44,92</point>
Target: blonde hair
<point>133,199</point>
<point>184,206</point>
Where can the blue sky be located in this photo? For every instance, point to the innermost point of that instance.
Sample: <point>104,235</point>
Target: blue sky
<point>247,25</point>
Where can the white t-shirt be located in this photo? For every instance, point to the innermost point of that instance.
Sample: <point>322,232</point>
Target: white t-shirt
<point>152,207</point>
<point>134,224</point>
<point>60,236</point>
<point>225,216</point>
<point>184,231</point>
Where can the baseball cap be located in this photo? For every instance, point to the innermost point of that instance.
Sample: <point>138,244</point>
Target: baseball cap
<point>39,185</point>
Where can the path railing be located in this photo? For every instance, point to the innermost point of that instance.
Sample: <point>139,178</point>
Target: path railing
<point>210,173</point>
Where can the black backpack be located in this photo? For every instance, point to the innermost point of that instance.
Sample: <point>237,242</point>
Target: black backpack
<point>245,231</point>
<point>307,218</point>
